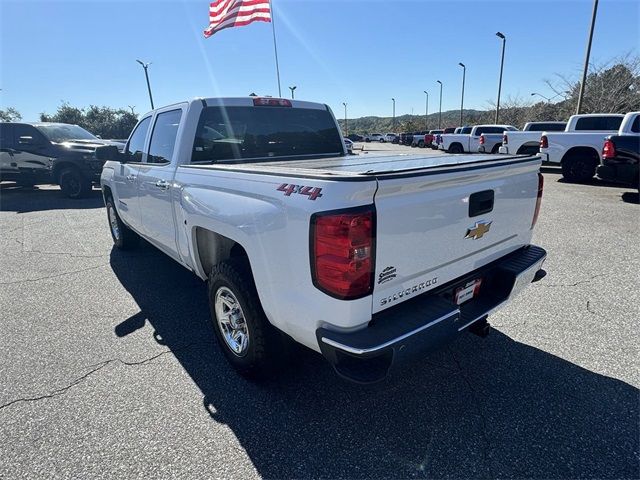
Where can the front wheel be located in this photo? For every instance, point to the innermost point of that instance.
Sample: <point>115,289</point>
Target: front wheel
<point>250,343</point>
<point>123,237</point>
<point>73,184</point>
<point>578,169</point>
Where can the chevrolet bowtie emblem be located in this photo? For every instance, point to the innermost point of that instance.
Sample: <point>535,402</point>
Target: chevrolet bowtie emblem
<point>478,230</point>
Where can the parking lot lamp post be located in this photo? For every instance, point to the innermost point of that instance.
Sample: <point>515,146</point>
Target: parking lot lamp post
<point>146,74</point>
<point>346,129</point>
<point>292,89</point>
<point>440,110</point>
<point>540,95</point>
<point>426,110</point>
<point>394,113</point>
<point>504,41</point>
<point>586,59</point>
<point>464,73</point>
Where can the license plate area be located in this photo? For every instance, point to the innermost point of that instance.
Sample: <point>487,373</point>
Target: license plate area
<point>467,292</point>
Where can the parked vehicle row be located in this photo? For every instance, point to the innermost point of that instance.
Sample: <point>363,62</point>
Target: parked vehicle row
<point>59,153</point>
<point>470,142</point>
<point>217,198</point>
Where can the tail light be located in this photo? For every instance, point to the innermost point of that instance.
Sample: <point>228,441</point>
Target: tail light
<point>609,149</point>
<point>544,142</point>
<point>481,139</point>
<point>505,139</point>
<point>342,256</point>
<point>536,212</point>
<point>271,102</point>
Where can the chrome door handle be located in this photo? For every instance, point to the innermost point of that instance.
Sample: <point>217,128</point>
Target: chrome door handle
<point>131,178</point>
<point>162,184</point>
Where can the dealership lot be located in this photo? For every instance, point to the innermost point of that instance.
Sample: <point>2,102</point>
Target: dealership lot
<point>110,367</point>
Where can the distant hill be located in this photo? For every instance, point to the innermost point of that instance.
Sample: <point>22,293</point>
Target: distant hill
<point>411,123</point>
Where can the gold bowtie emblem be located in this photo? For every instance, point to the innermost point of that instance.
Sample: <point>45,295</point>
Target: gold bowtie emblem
<point>478,230</point>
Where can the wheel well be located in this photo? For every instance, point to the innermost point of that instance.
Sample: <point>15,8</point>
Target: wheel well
<point>59,168</point>
<point>582,152</point>
<point>106,193</point>
<point>213,248</point>
<point>455,143</point>
<point>529,148</point>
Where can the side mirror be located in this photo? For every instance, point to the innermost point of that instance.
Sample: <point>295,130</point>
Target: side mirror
<point>110,152</point>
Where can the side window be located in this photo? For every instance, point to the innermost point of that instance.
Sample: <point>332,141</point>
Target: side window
<point>26,137</point>
<point>135,146</point>
<point>163,137</point>
<point>479,131</point>
<point>6,141</point>
<point>635,126</point>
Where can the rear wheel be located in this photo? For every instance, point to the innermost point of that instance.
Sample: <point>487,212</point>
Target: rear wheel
<point>578,169</point>
<point>250,343</point>
<point>421,144</point>
<point>123,237</point>
<point>73,184</point>
<point>455,148</point>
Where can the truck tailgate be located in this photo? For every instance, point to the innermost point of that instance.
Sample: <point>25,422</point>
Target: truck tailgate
<point>435,226</point>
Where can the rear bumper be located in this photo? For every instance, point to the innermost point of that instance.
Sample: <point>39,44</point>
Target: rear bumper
<point>503,150</point>
<point>417,326</point>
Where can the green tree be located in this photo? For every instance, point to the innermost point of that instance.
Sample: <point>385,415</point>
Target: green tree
<point>103,121</point>
<point>10,115</point>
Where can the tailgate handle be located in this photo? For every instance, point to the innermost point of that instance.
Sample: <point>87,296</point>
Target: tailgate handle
<point>481,202</point>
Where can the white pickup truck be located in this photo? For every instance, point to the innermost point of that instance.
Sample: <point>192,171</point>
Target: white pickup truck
<point>369,261</point>
<point>469,143</point>
<point>527,142</point>
<point>577,149</point>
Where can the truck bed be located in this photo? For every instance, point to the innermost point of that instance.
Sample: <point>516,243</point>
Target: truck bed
<point>364,167</point>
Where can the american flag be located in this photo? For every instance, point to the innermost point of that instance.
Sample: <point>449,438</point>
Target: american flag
<point>236,13</point>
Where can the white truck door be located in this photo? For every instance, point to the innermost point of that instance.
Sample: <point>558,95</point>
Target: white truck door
<point>156,178</point>
<point>125,176</point>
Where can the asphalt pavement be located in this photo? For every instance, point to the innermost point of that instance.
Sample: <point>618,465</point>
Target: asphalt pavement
<point>109,366</point>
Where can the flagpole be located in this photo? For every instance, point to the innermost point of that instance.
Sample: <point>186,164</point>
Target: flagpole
<point>275,48</point>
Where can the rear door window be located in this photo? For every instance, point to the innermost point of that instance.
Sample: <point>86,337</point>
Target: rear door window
<point>635,126</point>
<point>163,137</point>
<point>135,150</point>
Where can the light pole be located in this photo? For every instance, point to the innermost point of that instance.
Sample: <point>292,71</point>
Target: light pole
<point>146,74</point>
<point>504,41</point>
<point>292,89</point>
<point>586,58</point>
<point>540,95</point>
<point>346,129</point>
<point>394,113</point>
<point>426,110</point>
<point>464,73</point>
<point>440,110</point>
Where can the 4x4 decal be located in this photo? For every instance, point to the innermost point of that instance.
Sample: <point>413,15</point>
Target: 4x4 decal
<point>311,192</point>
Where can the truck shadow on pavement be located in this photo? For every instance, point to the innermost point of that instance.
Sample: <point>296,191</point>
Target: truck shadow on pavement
<point>18,199</point>
<point>479,408</point>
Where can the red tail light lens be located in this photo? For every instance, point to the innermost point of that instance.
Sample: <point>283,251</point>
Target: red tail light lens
<point>271,102</point>
<point>481,139</point>
<point>505,139</point>
<point>342,256</point>
<point>544,142</point>
<point>536,212</point>
<point>609,149</point>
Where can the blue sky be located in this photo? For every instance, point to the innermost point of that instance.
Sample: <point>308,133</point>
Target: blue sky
<point>361,52</point>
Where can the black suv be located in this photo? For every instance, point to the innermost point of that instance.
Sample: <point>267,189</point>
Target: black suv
<point>32,153</point>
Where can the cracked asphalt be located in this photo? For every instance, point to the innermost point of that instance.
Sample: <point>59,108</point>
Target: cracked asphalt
<point>109,367</point>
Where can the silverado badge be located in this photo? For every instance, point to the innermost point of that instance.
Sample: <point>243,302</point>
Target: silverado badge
<point>478,230</point>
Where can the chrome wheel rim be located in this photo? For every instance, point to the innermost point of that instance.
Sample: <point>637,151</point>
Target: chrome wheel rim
<point>113,222</point>
<point>231,321</point>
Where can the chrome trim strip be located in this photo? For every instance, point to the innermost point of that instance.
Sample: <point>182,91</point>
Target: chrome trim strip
<point>362,351</point>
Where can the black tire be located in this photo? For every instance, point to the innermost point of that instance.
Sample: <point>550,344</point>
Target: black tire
<point>455,148</point>
<point>73,183</point>
<point>266,347</point>
<point>123,237</point>
<point>578,169</point>
<point>421,144</point>
<point>367,140</point>
<point>496,148</point>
